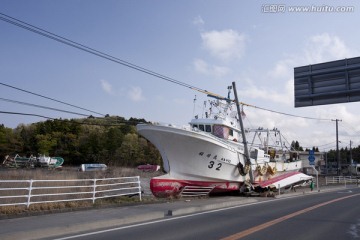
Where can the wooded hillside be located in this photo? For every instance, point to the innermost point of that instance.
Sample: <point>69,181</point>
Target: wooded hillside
<point>110,140</point>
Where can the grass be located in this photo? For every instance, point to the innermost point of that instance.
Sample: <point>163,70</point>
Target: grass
<point>67,173</point>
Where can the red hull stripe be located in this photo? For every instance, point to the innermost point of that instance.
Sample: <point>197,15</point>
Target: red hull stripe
<point>173,187</point>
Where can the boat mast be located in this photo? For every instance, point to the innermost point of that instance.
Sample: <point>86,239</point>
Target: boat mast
<point>246,150</point>
<point>267,141</point>
<point>194,107</point>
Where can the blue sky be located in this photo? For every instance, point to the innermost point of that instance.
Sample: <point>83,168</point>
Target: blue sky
<point>207,44</point>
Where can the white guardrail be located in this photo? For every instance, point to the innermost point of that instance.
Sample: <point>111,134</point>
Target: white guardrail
<point>27,192</point>
<point>341,179</point>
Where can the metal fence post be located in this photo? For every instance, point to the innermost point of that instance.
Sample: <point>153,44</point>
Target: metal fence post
<point>345,181</point>
<point>138,179</point>
<point>29,194</point>
<point>279,188</point>
<point>94,190</point>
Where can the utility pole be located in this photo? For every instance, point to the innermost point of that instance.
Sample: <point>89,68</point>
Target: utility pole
<point>326,163</point>
<point>246,151</point>
<point>337,145</point>
<point>350,153</point>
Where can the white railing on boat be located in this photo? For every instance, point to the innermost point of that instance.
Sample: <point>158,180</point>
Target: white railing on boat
<point>27,192</point>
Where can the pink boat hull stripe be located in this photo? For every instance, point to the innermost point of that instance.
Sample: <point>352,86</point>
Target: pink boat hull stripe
<point>173,187</point>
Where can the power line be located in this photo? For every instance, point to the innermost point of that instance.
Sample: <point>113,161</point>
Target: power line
<point>26,114</point>
<point>82,47</point>
<point>39,106</point>
<point>326,144</point>
<point>39,95</point>
<point>352,128</point>
<point>287,114</point>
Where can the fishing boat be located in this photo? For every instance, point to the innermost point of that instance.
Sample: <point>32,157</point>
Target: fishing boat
<point>32,161</point>
<point>211,154</point>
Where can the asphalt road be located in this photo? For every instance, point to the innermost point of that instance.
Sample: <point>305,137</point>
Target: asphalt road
<point>329,215</point>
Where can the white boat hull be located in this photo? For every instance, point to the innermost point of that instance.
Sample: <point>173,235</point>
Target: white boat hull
<point>196,158</point>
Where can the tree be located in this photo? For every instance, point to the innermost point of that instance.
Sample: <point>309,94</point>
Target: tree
<point>10,142</point>
<point>78,141</point>
<point>129,150</point>
<point>114,139</point>
<point>295,145</point>
<point>45,144</point>
<point>151,154</point>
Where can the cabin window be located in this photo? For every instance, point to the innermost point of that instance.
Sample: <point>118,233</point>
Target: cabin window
<point>231,132</point>
<point>195,126</point>
<point>254,154</point>
<point>358,169</point>
<point>221,131</point>
<point>201,127</point>
<point>208,128</point>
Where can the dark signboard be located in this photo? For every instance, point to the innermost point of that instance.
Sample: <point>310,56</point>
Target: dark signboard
<point>327,83</point>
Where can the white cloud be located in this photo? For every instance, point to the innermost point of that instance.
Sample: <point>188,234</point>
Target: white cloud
<point>225,45</point>
<point>286,97</point>
<point>270,120</point>
<point>210,70</point>
<point>198,21</point>
<point>342,111</point>
<point>326,47</point>
<point>201,66</point>
<point>135,94</point>
<point>318,48</point>
<point>279,89</point>
<point>283,69</point>
<point>106,86</point>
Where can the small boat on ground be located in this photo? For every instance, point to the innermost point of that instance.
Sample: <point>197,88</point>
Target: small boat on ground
<point>211,154</point>
<point>31,162</point>
<point>51,162</point>
<point>92,167</point>
<point>148,168</point>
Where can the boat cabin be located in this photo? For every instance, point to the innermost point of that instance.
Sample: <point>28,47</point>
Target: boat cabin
<point>227,131</point>
<point>219,128</point>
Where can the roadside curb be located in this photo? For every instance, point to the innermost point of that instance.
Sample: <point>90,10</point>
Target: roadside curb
<point>79,228</point>
<point>208,207</point>
<point>308,192</point>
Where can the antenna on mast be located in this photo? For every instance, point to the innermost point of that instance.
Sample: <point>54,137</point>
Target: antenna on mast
<point>194,106</point>
<point>229,91</point>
